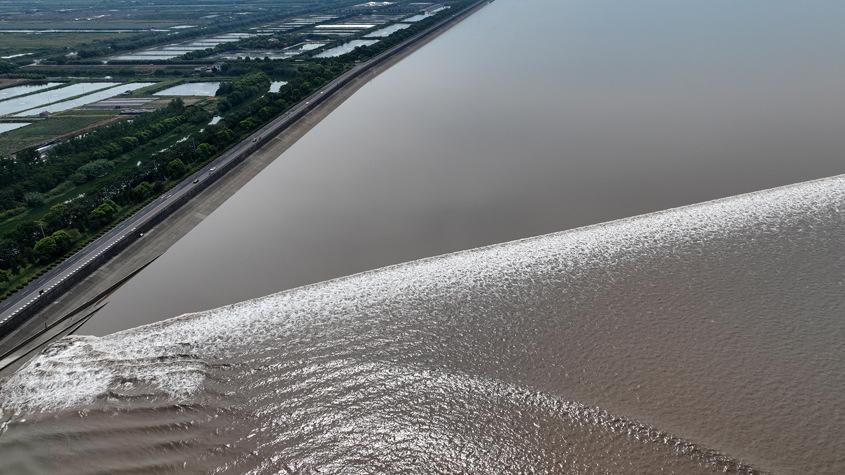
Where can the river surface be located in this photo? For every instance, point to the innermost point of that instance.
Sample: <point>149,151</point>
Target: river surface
<point>705,338</point>
<point>702,339</point>
<point>528,117</point>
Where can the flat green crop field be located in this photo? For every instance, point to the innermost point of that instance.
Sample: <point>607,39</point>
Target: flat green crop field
<point>17,43</point>
<point>140,24</point>
<point>46,129</point>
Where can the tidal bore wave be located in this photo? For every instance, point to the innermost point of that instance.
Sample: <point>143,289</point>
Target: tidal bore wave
<point>473,362</point>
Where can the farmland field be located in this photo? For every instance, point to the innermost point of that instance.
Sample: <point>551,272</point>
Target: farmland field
<point>18,43</point>
<point>47,129</point>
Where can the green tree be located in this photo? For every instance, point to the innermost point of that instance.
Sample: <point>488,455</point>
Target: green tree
<point>100,167</point>
<point>28,157</point>
<point>33,199</point>
<point>205,150</point>
<point>11,256</point>
<point>176,105</point>
<point>266,113</point>
<point>175,168</point>
<point>78,178</point>
<point>58,217</point>
<point>142,190</point>
<point>45,249</point>
<point>248,124</point>
<point>25,234</point>
<point>198,115</point>
<point>63,241</point>
<point>103,214</point>
<point>129,143</point>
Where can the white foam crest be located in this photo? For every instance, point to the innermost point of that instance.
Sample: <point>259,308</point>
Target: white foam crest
<point>67,375</point>
<point>77,370</point>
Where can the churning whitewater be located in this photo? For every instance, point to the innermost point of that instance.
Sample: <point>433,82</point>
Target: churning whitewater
<point>581,351</point>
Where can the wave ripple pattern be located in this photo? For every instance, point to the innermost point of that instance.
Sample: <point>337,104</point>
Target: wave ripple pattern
<point>582,351</point>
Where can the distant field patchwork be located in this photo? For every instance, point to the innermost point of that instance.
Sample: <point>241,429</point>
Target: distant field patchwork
<point>43,130</point>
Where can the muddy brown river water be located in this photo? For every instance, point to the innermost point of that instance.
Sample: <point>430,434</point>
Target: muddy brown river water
<point>705,338</point>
